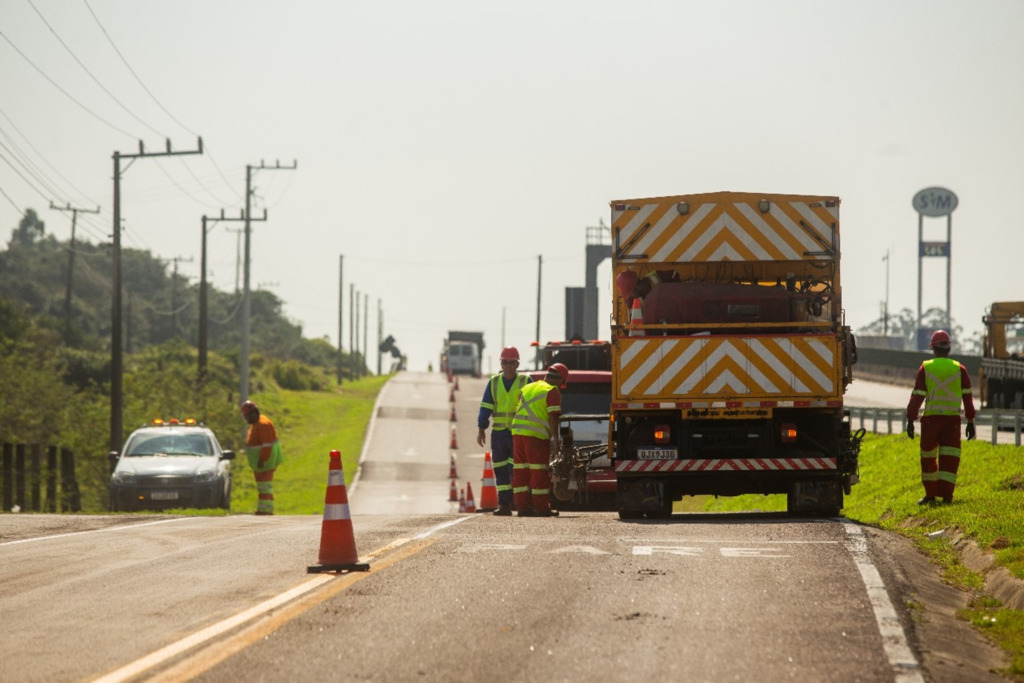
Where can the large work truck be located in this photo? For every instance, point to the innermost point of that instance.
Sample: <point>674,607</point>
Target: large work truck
<point>462,353</point>
<point>730,355</point>
<point>1002,362</point>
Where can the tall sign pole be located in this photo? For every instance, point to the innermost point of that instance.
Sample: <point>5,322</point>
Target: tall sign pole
<point>934,202</point>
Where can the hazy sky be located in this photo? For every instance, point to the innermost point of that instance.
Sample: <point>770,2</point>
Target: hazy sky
<point>442,146</point>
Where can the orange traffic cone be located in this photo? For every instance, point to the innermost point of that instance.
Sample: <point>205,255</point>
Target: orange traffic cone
<point>452,418</point>
<point>462,500</point>
<point>452,474</point>
<point>636,318</point>
<point>456,382</point>
<point>455,439</point>
<point>489,492</point>
<point>470,504</point>
<point>451,396</point>
<point>453,494</point>
<point>337,543</point>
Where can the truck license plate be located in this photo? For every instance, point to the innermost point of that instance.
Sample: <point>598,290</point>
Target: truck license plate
<point>164,495</point>
<point>656,454</point>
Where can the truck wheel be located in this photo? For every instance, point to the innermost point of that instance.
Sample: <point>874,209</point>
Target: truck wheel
<point>630,514</point>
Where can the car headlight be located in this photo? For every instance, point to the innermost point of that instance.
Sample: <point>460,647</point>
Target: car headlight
<point>203,476</point>
<point>123,477</point>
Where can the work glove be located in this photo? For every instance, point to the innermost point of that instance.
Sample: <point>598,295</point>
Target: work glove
<point>910,428</point>
<point>971,432</point>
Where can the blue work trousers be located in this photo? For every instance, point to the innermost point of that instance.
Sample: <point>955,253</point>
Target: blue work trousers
<point>501,459</point>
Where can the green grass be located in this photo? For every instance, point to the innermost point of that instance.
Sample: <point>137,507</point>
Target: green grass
<point>309,425</point>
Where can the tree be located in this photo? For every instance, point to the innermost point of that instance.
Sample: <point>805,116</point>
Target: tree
<point>29,231</point>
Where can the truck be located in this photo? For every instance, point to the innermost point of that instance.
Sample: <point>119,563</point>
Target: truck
<point>1002,361</point>
<point>730,353</point>
<point>581,474</point>
<point>461,353</point>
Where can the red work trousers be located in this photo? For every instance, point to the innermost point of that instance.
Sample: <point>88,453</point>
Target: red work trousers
<point>531,482</point>
<point>940,454</point>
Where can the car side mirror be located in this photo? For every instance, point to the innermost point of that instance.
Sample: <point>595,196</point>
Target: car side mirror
<point>112,458</point>
<point>227,455</point>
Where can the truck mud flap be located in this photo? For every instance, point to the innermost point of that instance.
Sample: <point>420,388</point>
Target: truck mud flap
<point>822,497</point>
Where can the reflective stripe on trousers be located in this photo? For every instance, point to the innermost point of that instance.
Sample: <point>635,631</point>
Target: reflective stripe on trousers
<point>265,490</point>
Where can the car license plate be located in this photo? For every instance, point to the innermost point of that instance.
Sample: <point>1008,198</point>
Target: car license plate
<point>656,454</point>
<point>164,495</point>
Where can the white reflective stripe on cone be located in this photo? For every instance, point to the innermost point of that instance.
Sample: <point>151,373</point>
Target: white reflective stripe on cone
<point>336,478</point>
<point>336,511</point>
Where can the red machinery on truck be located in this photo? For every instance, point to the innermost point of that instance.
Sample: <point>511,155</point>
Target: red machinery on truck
<point>730,355</point>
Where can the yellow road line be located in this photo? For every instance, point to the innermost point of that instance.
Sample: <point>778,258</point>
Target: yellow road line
<point>212,655</point>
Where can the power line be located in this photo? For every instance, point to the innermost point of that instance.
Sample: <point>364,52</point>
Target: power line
<point>40,155</point>
<point>152,96</point>
<point>90,74</point>
<point>62,90</point>
<point>132,71</point>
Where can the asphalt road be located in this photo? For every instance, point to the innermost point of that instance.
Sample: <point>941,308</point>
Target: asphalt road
<point>465,597</point>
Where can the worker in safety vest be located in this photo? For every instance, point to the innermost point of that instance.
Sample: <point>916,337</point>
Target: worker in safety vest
<point>499,402</point>
<point>535,440</point>
<point>941,385</point>
<point>263,451</point>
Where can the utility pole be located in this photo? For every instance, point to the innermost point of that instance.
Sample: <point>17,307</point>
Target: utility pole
<point>204,288</point>
<point>536,357</point>
<point>238,254</point>
<point>116,335</point>
<point>366,330</point>
<point>352,327</point>
<point>246,295</point>
<point>885,310</point>
<point>174,291</point>
<point>341,313</point>
<point>71,263</point>
<point>380,333</point>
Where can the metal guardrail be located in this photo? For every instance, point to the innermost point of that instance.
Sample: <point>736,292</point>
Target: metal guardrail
<point>893,421</point>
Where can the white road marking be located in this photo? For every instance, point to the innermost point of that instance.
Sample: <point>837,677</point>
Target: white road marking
<point>668,549</point>
<point>153,659</point>
<point>585,549</point>
<point>123,527</point>
<point>894,640</point>
<point>751,552</point>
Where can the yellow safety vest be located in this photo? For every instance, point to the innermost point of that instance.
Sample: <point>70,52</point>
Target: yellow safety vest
<point>504,407</point>
<point>531,417</point>
<point>943,390</point>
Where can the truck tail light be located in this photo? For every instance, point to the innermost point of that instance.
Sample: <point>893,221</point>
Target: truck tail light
<point>662,434</point>
<point>789,433</point>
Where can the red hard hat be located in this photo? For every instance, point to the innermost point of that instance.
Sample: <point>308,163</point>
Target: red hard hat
<point>248,408</point>
<point>940,338</point>
<point>625,282</point>
<point>509,353</point>
<point>560,370</point>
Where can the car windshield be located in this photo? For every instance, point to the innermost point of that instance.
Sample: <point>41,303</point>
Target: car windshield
<point>586,399</point>
<point>169,444</point>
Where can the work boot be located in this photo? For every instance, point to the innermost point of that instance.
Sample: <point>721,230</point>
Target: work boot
<point>947,500</point>
<point>548,513</point>
<point>503,511</point>
<point>927,500</point>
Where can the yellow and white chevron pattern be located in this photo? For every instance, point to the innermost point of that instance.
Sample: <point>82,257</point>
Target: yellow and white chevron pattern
<point>726,226</point>
<point>708,368</point>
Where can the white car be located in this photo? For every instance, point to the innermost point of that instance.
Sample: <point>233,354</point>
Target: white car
<point>173,464</point>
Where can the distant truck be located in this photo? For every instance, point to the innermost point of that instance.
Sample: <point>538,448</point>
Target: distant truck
<point>730,355</point>
<point>1002,363</point>
<point>462,352</point>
